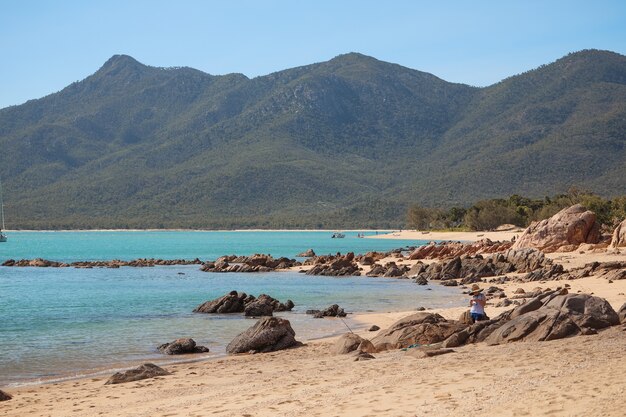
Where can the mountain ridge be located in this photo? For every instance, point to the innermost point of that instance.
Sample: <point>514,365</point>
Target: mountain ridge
<point>344,140</point>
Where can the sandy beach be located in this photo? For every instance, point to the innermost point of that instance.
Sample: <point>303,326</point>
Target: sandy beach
<point>580,376</point>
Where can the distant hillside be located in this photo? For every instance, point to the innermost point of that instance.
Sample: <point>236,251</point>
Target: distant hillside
<point>345,143</point>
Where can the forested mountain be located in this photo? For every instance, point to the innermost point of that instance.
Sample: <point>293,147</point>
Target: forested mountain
<point>343,143</point>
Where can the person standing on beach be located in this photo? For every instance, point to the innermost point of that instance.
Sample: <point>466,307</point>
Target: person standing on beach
<point>477,304</point>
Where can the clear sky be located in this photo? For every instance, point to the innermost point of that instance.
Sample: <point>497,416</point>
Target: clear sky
<point>47,44</point>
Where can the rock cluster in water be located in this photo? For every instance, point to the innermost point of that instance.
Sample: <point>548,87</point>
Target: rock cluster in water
<point>116,263</point>
<point>240,302</point>
<point>332,311</point>
<point>181,347</point>
<point>254,263</point>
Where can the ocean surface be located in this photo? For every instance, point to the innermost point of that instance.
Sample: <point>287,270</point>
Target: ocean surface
<point>66,322</point>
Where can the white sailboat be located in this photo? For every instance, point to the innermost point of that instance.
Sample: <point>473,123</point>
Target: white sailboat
<point>3,237</point>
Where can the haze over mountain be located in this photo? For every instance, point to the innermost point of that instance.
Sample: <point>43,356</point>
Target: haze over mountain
<point>345,143</point>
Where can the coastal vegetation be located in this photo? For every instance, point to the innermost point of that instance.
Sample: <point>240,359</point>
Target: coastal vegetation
<point>351,142</point>
<point>516,210</point>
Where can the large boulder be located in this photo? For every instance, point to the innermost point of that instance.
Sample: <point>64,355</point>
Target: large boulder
<point>567,229</point>
<point>181,347</point>
<point>619,235</point>
<point>147,370</point>
<point>419,328</point>
<point>267,335</point>
<point>347,343</point>
<point>4,396</point>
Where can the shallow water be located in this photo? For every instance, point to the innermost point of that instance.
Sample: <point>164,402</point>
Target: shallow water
<point>66,321</point>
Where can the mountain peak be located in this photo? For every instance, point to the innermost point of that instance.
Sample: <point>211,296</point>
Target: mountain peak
<point>121,62</point>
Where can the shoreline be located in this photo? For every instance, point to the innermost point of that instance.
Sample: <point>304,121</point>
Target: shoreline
<point>312,379</point>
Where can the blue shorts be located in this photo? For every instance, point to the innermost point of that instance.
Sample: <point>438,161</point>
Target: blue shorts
<point>477,317</point>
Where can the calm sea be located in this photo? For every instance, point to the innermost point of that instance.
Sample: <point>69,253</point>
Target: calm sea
<point>65,322</point>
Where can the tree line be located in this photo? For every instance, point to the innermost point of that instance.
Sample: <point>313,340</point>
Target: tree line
<point>517,210</point>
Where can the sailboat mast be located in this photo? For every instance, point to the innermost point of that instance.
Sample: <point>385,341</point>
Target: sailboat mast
<point>1,207</point>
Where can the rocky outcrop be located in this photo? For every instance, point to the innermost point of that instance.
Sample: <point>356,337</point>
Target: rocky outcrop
<point>389,270</point>
<point>334,265</point>
<point>564,231</point>
<point>447,250</point>
<point>608,270</point>
<point>235,302</point>
<point>116,263</point>
<point>419,328</point>
<point>332,311</point>
<point>254,263</point>
<point>551,315</point>
<point>4,396</point>
<point>473,269</point>
<point>269,334</point>
<point>618,239</point>
<point>558,317</point>
<point>181,347</point>
<point>145,371</point>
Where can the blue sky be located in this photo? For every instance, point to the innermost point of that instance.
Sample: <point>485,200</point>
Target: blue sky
<point>46,45</point>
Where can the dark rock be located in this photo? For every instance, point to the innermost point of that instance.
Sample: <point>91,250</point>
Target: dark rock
<point>4,396</point>
<point>363,356</point>
<point>235,302</point>
<point>269,334</point>
<point>332,311</point>
<point>232,302</point>
<point>421,281</point>
<point>147,370</point>
<point>428,353</point>
<point>306,254</point>
<point>182,346</point>
<point>374,328</point>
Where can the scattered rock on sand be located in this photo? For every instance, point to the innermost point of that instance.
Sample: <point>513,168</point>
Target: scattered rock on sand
<point>4,396</point>
<point>145,371</point>
<point>567,229</point>
<point>269,334</point>
<point>374,328</point>
<point>182,346</point>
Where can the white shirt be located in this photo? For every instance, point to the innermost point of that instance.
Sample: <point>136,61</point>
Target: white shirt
<point>477,308</point>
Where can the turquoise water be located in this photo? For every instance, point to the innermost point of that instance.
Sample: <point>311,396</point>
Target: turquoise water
<point>62,322</point>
